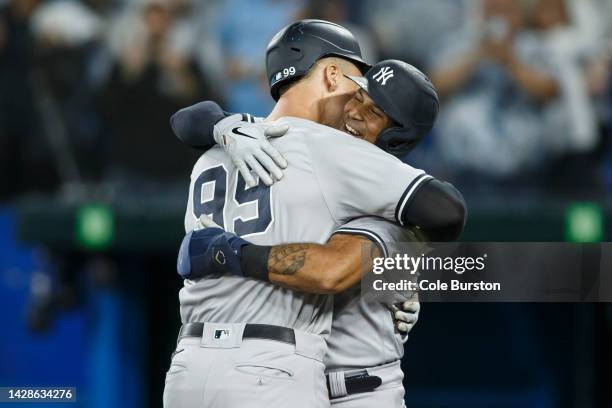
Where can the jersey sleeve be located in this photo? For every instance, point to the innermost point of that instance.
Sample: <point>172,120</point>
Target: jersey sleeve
<point>357,178</point>
<point>392,240</point>
<point>384,234</point>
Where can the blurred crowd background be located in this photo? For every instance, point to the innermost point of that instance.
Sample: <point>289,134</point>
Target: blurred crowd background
<point>93,183</point>
<point>88,86</point>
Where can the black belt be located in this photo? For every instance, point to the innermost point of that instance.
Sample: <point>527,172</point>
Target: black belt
<point>357,382</point>
<point>251,331</point>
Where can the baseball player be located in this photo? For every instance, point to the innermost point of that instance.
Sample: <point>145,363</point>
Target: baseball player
<point>364,349</point>
<point>261,345</point>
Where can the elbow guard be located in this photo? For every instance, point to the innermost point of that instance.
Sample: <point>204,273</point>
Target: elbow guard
<point>439,210</point>
<point>194,125</point>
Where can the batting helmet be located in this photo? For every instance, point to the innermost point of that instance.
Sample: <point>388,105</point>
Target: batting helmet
<point>296,48</point>
<point>407,96</point>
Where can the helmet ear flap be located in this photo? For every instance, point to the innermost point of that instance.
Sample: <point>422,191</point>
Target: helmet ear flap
<point>398,141</point>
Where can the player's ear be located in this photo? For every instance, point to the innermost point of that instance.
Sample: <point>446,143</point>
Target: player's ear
<point>331,75</point>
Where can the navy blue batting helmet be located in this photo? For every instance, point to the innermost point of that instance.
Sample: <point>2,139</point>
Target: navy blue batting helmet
<point>408,97</point>
<point>295,49</point>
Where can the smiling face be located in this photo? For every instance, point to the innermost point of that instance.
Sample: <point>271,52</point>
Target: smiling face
<point>336,100</point>
<point>363,118</point>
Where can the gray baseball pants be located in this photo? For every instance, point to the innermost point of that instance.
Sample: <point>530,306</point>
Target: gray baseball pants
<point>223,370</point>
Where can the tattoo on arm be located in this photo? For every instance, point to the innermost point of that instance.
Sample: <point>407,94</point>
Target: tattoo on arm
<point>287,259</point>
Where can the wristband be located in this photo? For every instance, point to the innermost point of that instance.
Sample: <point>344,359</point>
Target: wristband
<point>254,261</point>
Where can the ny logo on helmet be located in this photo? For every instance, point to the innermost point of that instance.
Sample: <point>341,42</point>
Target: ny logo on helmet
<point>383,75</point>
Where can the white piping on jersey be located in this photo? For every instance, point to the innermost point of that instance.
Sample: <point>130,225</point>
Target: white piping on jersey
<point>247,117</point>
<point>370,234</point>
<point>417,183</point>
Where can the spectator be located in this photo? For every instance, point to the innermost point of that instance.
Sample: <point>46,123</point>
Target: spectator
<point>513,91</point>
<point>414,30</point>
<point>18,118</point>
<point>573,34</point>
<point>66,34</point>
<point>245,28</point>
<point>339,12</point>
<point>151,79</point>
<point>599,78</point>
<point>195,35</point>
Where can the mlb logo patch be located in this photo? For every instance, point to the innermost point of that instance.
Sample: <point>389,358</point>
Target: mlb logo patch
<point>222,334</point>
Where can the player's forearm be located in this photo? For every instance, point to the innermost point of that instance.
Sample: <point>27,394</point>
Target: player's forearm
<point>312,268</point>
<point>309,267</point>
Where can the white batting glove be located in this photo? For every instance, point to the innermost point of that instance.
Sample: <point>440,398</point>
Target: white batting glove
<point>405,316</point>
<point>205,222</point>
<point>249,148</point>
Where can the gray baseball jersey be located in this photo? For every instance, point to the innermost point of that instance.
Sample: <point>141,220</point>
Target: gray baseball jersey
<point>363,334</point>
<point>332,178</point>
